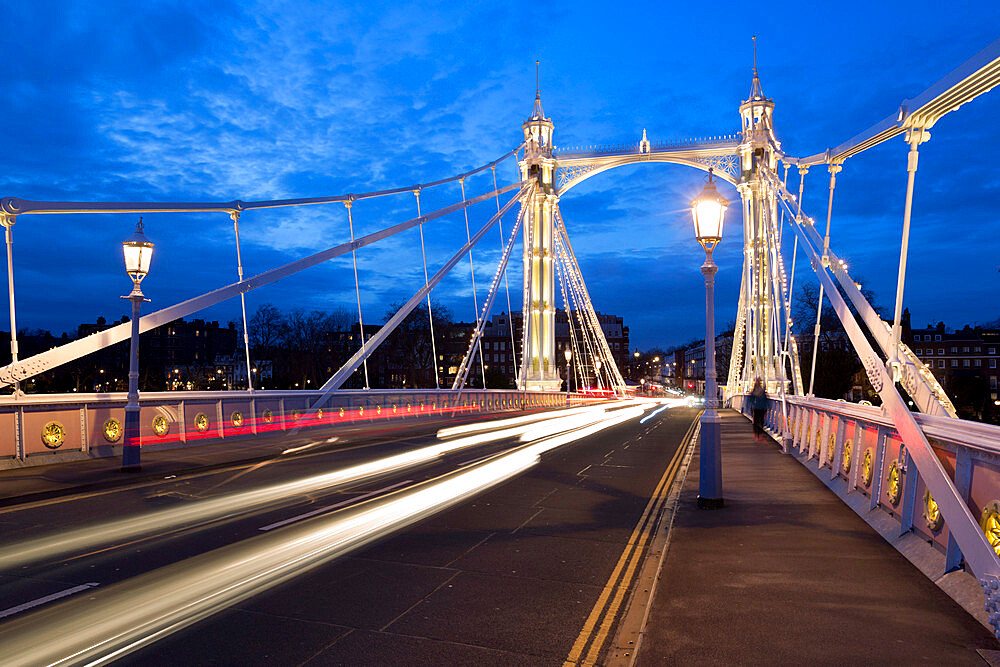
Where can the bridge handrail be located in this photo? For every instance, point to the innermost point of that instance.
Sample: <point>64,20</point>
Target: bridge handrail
<point>962,432</point>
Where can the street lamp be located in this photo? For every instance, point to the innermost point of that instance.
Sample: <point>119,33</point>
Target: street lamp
<point>569,360</point>
<point>709,210</point>
<point>138,252</point>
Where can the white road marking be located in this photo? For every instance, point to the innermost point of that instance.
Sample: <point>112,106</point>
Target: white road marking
<point>652,414</point>
<point>327,508</point>
<point>48,598</point>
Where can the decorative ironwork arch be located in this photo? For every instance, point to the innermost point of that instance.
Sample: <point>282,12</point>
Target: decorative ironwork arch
<point>726,166</point>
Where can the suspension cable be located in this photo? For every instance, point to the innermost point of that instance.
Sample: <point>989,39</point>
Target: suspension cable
<point>472,272</point>
<point>235,215</point>
<point>357,290</point>
<point>614,374</point>
<point>825,260</point>
<point>560,273</point>
<point>574,298</point>
<point>430,315</point>
<point>506,284</point>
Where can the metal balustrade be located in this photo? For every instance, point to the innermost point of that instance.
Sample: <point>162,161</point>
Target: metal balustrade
<point>43,429</point>
<point>857,450</point>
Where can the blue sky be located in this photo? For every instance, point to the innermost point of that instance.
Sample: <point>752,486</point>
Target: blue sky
<point>225,100</point>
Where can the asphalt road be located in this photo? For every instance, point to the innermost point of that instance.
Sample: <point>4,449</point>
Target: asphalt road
<point>508,576</point>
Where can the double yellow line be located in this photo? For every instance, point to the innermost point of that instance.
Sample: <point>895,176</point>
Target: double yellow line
<point>613,593</point>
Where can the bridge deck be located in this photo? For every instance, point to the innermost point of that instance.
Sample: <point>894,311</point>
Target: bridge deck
<point>784,574</point>
<point>788,574</point>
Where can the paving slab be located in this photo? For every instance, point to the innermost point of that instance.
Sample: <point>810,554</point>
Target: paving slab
<point>786,573</point>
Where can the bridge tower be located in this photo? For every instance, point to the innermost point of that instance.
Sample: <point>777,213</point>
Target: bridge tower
<point>757,344</point>
<point>538,343</point>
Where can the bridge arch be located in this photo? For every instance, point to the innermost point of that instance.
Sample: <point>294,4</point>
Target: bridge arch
<point>578,170</point>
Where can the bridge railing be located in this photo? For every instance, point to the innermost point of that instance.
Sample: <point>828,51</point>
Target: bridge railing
<point>857,448</point>
<point>49,428</point>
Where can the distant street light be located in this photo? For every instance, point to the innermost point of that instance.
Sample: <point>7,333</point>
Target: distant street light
<point>569,360</point>
<point>138,251</point>
<point>709,211</point>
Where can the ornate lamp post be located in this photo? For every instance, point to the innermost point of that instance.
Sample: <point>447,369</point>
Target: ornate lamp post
<point>569,361</point>
<point>138,253</point>
<point>709,209</point>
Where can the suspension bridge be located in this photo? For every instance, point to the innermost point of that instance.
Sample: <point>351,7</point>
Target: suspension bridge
<point>921,472</point>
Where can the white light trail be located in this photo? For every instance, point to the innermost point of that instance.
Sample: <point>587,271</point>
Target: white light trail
<point>89,537</point>
<point>121,618</point>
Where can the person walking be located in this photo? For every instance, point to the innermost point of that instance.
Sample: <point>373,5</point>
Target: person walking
<point>758,403</point>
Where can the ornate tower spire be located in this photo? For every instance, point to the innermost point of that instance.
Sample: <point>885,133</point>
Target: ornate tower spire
<point>755,92</point>
<point>537,111</point>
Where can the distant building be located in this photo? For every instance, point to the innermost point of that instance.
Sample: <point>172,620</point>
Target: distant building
<point>964,361</point>
<point>501,353</point>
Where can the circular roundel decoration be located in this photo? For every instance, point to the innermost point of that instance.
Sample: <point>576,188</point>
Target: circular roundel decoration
<point>342,413</point>
<point>830,448</point>
<point>296,414</point>
<point>267,416</point>
<point>990,523</point>
<point>236,418</point>
<point>866,468</point>
<point>53,435</point>
<point>361,410</point>
<point>201,422</point>
<point>409,408</point>
<point>395,408</point>
<point>378,409</point>
<point>160,425</point>
<point>845,460</point>
<point>932,515</point>
<point>319,413</point>
<point>112,430</point>
<point>894,483</point>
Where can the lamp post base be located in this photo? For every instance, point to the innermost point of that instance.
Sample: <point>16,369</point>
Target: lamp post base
<point>710,503</point>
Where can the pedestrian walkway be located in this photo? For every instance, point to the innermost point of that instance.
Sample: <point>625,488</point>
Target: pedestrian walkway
<point>786,573</point>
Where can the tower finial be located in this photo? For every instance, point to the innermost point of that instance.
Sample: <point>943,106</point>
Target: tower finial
<point>537,111</point>
<point>755,92</point>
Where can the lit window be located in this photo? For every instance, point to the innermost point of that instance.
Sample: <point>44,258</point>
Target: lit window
<point>978,349</point>
<point>979,363</point>
<point>920,351</point>
<point>937,336</point>
<point>954,349</point>
<point>965,349</point>
<point>940,350</point>
<point>992,350</point>
<point>993,363</point>
<point>954,363</point>
<point>965,363</point>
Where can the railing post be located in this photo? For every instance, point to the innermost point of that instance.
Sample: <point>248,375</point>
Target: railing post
<point>838,448</point>
<point>909,495</point>
<point>963,482</point>
<point>856,456</point>
<point>878,463</point>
